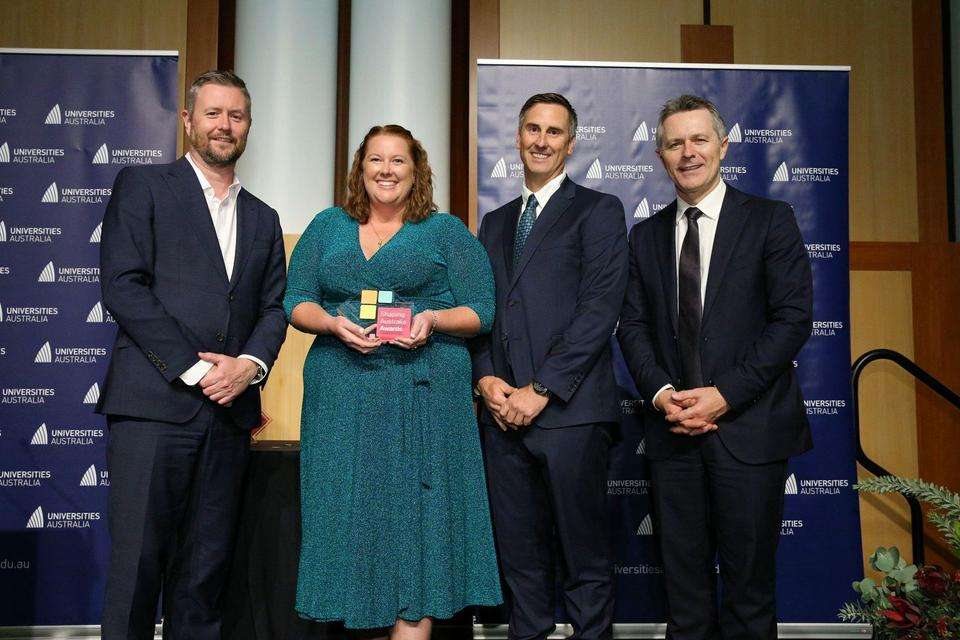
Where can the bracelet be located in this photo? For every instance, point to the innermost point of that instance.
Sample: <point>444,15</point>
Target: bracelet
<point>433,325</point>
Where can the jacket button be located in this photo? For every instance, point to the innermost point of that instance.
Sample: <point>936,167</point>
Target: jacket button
<point>232,297</point>
<point>220,337</point>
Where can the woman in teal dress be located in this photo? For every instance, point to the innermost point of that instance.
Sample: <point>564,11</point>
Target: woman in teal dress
<point>396,525</point>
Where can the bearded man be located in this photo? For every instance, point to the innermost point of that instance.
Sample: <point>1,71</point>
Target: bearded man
<point>193,272</point>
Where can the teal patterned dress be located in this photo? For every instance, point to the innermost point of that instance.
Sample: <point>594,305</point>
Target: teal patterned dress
<point>395,518</point>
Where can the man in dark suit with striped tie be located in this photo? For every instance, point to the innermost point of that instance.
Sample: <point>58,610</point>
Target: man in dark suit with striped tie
<point>545,376</point>
<point>719,303</point>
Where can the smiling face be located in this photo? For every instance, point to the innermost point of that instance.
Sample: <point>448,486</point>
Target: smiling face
<point>544,141</point>
<point>388,171</point>
<point>691,152</point>
<point>219,124</point>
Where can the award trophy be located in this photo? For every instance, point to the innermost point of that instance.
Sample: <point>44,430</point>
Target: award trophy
<point>391,315</point>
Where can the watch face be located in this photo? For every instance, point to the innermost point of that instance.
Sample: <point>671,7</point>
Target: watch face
<point>539,389</point>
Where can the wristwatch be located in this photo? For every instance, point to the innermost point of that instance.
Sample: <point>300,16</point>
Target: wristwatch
<point>539,389</point>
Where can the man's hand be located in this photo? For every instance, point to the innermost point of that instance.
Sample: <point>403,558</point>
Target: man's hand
<point>522,407</point>
<point>700,409</point>
<point>228,378</point>
<point>494,392</point>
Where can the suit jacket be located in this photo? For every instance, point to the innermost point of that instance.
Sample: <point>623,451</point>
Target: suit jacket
<point>757,314</point>
<point>558,306</point>
<point>163,280</point>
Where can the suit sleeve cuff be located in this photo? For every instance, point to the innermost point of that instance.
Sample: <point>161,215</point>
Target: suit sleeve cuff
<point>653,399</point>
<point>195,374</point>
<point>263,368</point>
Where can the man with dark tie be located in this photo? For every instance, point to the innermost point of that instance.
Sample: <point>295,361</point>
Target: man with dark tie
<point>194,274</point>
<point>718,305</point>
<point>545,375</point>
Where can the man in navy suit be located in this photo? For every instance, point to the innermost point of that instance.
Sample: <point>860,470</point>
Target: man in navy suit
<point>719,303</point>
<point>194,274</point>
<point>545,375</point>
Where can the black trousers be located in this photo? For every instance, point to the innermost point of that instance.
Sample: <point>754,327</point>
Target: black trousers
<point>174,498</point>
<point>548,489</point>
<point>709,505</point>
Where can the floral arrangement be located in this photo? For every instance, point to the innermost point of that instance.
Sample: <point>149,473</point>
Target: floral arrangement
<point>911,603</point>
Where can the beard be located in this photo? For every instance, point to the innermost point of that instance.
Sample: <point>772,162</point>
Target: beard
<point>202,145</point>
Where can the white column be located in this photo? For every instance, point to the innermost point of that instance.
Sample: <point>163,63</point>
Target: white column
<point>400,74</point>
<point>286,52</point>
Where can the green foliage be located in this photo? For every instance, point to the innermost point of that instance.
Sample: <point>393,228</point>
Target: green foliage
<point>910,603</point>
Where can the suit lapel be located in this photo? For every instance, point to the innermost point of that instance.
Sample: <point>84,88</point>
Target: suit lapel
<point>556,207</point>
<point>733,215</point>
<point>511,212</point>
<point>667,259</point>
<point>246,232</point>
<point>186,188</point>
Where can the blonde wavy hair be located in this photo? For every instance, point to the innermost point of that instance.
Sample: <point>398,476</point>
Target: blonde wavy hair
<point>419,203</point>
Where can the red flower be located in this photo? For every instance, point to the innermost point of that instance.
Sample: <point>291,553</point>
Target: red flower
<point>942,627</point>
<point>902,615</point>
<point>932,581</point>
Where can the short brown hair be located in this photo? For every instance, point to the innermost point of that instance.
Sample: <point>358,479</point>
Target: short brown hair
<point>419,204</point>
<point>689,102</point>
<point>215,76</point>
<point>550,98</point>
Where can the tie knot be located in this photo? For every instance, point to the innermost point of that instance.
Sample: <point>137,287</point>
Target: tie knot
<point>532,202</point>
<point>693,214</point>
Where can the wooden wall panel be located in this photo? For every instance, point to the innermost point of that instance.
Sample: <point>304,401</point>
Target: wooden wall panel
<point>876,40</point>
<point>628,30</point>
<point>283,395</point>
<point>881,316</point>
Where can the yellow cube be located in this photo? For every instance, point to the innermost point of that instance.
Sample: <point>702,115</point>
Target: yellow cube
<point>368,312</point>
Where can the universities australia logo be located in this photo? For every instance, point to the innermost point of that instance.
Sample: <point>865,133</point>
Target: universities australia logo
<point>827,407</point>
<point>785,173</point>
<point>827,328</point>
<point>106,155</point>
<point>22,478</point>
<point>642,211</point>
<point>628,487</point>
<point>6,114</point>
<point>75,195</point>
<point>99,315</point>
<point>79,117</point>
<point>749,135</point>
<point>643,133</point>
<point>823,250</point>
<point>29,235</point>
<point>503,169</point>
<point>815,487</point>
<point>618,171</point>
<point>17,314</point>
<point>92,478</point>
<point>95,234</point>
<point>646,527</point>
<point>591,132</point>
<point>50,354</point>
<point>26,395</point>
<point>61,519</point>
<point>30,155</point>
<point>69,275</point>
<point>65,436</point>
<point>93,394</point>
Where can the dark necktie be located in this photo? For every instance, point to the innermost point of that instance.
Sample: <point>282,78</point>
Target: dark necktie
<point>690,307</point>
<point>524,225</point>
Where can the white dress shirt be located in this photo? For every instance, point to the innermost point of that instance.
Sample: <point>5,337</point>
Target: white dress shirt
<point>224,215</point>
<point>543,196</point>
<point>710,206</point>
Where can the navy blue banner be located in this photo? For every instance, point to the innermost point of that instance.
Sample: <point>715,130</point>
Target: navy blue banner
<point>788,136</point>
<point>69,121</point>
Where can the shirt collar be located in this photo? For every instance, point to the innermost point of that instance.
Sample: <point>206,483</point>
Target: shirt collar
<point>710,204</point>
<point>546,191</point>
<point>205,184</point>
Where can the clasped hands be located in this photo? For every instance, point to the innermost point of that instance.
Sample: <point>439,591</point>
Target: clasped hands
<point>227,378</point>
<point>511,407</point>
<point>693,412</point>
<point>364,339</point>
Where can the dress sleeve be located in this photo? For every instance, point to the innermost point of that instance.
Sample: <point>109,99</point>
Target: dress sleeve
<point>468,268</point>
<point>303,277</point>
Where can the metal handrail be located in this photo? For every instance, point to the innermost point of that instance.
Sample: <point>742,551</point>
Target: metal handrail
<point>916,512</point>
